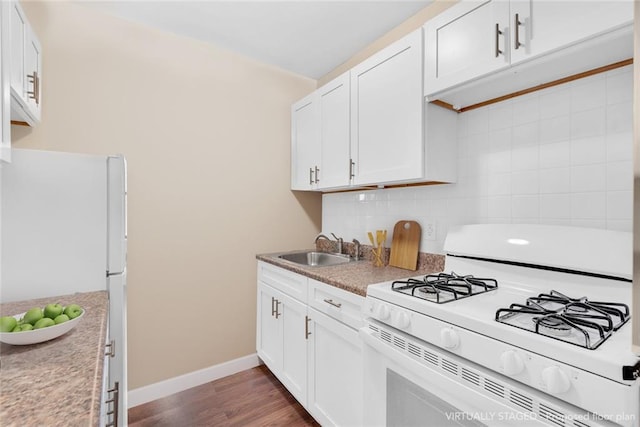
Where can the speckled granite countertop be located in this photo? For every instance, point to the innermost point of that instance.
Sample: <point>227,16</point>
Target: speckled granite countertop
<point>57,382</point>
<point>355,276</point>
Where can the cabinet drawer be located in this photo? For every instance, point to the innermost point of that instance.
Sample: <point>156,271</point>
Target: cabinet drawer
<point>288,282</point>
<point>336,303</point>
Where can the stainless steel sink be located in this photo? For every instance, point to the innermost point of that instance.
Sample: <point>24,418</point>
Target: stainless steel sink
<point>316,259</point>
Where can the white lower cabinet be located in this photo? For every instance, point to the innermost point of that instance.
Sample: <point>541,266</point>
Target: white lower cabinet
<point>310,342</point>
<point>335,372</point>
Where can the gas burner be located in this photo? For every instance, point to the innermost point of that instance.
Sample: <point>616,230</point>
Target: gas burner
<point>577,321</point>
<point>552,325</point>
<point>443,287</point>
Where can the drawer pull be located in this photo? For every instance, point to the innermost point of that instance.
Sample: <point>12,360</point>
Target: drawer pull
<point>307,319</point>
<point>112,349</point>
<point>333,303</point>
<point>498,33</point>
<point>516,25</point>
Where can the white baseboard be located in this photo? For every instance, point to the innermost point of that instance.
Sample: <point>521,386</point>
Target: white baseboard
<point>192,379</point>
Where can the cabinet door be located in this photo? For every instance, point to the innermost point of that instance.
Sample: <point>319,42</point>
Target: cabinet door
<point>5,51</point>
<point>293,316</point>
<point>335,133</point>
<point>33,68</point>
<point>18,42</point>
<point>335,372</point>
<point>386,108</point>
<point>268,335</point>
<point>118,341</point>
<point>466,41</point>
<point>540,26</point>
<point>305,143</point>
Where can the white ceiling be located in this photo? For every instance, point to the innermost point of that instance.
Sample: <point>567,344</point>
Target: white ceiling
<point>306,37</point>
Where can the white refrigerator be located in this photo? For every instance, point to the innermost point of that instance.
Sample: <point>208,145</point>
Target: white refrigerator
<point>63,224</point>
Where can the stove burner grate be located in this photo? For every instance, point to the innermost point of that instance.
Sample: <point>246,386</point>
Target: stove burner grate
<point>577,321</point>
<point>441,288</point>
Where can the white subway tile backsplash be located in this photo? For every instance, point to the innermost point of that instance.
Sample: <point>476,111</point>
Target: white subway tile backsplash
<point>618,87</point>
<point>588,150</point>
<point>555,180</point>
<point>556,128</point>
<point>525,207</point>
<point>585,124</point>
<point>555,155</point>
<point>588,178</point>
<point>555,206</point>
<point>588,93</point>
<point>620,176</point>
<point>526,134</point>
<point>619,146</point>
<point>589,205</point>
<point>620,117</point>
<point>619,205</point>
<point>526,110</point>
<point>559,156</point>
<point>525,158</point>
<point>525,182</point>
<point>556,102</point>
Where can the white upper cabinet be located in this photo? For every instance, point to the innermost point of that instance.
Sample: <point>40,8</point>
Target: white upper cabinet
<point>5,109</point>
<point>386,107</point>
<point>370,126</point>
<point>395,137</point>
<point>335,127</point>
<point>467,40</point>
<point>305,144</point>
<point>541,26</point>
<point>519,44</point>
<point>26,68</point>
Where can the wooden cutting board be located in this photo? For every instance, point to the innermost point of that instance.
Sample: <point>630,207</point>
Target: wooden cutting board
<point>405,245</point>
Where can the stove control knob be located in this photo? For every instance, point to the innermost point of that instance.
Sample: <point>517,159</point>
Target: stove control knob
<point>511,363</point>
<point>382,312</point>
<point>449,338</point>
<point>401,320</point>
<point>555,380</point>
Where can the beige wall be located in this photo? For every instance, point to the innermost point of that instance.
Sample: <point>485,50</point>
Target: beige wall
<point>413,23</point>
<point>206,134</point>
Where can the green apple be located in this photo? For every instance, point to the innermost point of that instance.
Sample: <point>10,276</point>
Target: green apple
<point>53,310</point>
<point>45,322</point>
<point>33,315</point>
<point>7,323</point>
<point>61,319</point>
<point>73,311</point>
<point>23,327</point>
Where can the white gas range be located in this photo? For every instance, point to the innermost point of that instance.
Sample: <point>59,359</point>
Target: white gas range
<point>539,335</point>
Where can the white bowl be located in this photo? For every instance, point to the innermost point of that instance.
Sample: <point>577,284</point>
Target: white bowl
<point>35,336</point>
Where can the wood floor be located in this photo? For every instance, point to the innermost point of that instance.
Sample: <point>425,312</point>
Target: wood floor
<point>249,398</point>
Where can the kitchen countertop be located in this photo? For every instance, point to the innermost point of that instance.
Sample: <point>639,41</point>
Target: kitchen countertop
<point>355,276</point>
<point>57,382</point>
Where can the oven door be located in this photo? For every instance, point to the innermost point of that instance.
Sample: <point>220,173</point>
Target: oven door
<point>411,383</point>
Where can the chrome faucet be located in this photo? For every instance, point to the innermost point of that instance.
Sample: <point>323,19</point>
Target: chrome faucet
<point>339,241</point>
<point>356,255</point>
<point>321,236</point>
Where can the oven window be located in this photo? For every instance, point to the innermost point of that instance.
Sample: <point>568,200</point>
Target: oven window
<point>409,405</point>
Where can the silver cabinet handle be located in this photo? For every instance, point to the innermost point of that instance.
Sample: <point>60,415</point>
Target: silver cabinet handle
<point>317,179</point>
<point>115,399</point>
<point>498,34</point>
<point>35,94</point>
<point>333,303</point>
<point>111,349</point>
<point>307,319</point>
<point>273,310</point>
<point>277,313</point>
<point>310,176</point>
<point>516,27</point>
<point>352,167</point>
